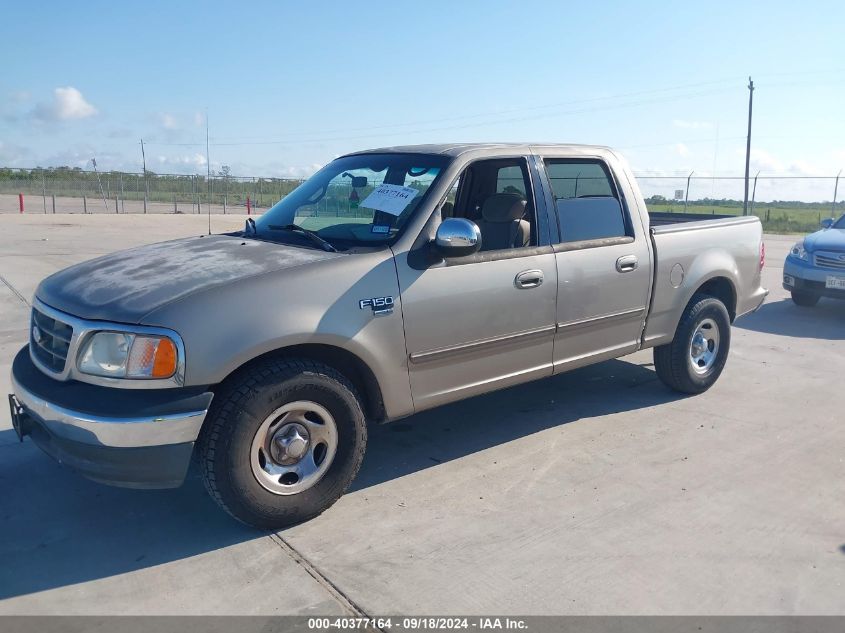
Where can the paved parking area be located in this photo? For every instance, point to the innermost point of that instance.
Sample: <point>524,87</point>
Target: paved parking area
<point>594,492</point>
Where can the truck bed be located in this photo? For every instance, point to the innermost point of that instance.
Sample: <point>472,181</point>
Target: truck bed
<point>663,218</point>
<point>689,248</point>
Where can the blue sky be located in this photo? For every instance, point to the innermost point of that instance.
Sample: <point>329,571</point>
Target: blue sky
<point>288,86</point>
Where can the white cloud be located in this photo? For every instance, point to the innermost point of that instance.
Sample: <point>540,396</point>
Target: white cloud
<point>179,162</point>
<point>805,168</point>
<point>199,119</point>
<point>302,171</point>
<point>771,165</point>
<point>692,125</point>
<point>67,104</point>
<point>761,160</point>
<point>682,150</point>
<point>168,121</point>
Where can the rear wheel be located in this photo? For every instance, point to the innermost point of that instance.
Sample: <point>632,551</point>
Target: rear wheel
<point>283,442</point>
<point>805,299</point>
<point>695,358</point>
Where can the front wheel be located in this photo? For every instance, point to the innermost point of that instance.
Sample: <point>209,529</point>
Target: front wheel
<point>695,358</point>
<point>283,442</point>
<point>805,299</point>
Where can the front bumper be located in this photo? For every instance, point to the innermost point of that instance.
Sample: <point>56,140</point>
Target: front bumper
<point>133,438</point>
<point>802,276</point>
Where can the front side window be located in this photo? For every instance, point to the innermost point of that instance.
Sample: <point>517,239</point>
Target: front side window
<point>587,204</point>
<point>356,200</point>
<point>496,195</point>
<point>511,180</point>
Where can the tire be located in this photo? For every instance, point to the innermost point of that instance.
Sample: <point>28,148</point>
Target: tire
<point>244,424</point>
<point>677,364</point>
<point>805,299</point>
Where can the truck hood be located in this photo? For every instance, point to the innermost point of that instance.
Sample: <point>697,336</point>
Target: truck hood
<point>827,240</point>
<point>125,286</point>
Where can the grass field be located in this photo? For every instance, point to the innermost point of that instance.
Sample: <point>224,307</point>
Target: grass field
<point>775,218</point>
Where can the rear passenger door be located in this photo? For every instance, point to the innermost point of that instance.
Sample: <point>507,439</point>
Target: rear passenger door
<point>603,263</point>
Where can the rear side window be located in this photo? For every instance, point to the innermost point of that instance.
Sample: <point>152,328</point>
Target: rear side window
<point>586,200</point>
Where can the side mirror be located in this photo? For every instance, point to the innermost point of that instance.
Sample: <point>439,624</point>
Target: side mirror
<point>827,223</point>
<point>457,237</point>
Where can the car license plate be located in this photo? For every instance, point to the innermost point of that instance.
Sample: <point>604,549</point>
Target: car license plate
<point>837,283</point>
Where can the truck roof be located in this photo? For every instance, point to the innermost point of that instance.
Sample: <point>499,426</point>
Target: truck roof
<point>456,149</point>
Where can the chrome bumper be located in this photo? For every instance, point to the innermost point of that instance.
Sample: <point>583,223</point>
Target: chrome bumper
<point>118,432</point>
<point>755,302</point>
<point>133,438</point>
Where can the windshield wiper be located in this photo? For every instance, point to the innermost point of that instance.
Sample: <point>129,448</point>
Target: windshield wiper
<point>311,235</point>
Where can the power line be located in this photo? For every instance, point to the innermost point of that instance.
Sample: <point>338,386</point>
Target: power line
<point>296,138</point>
<point>530,108</point>
<point>618,105</point>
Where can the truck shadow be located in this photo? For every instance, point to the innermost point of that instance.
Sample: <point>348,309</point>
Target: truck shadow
<point>824,321</point>
<point>58,529</point>
<point>469,426</point>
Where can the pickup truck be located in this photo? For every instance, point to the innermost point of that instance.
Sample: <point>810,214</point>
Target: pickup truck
<point>815,266</point>
<point>392,281</point>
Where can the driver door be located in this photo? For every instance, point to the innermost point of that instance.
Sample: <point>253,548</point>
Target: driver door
<point>487,320</point>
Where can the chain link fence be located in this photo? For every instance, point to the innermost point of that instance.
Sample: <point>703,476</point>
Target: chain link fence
<point>783,203</point>
<point>65,190</point>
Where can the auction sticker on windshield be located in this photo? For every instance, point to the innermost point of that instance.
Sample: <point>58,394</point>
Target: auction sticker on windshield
<point>391,199</point>
<point>835,282</point>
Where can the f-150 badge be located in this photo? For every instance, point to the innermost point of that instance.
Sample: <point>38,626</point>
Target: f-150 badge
<point>379,305</point>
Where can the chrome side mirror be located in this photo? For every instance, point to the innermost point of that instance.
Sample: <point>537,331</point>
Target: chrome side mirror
<point>457,237</point>
<point>827,223</point>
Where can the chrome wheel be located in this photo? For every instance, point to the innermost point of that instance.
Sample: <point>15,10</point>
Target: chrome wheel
<point>294,447</point>
<point>704,346</point>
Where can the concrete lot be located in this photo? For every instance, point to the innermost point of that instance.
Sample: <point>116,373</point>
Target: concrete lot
<point>598,491</point>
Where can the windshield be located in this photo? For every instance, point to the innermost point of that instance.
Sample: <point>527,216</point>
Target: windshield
<point>840,223</point>
<point>354,201</point>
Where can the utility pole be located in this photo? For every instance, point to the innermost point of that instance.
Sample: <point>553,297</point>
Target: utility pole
<point>146,186</point>
<point>208,171</point>
<point>748,145</point>
<point>102,193</point>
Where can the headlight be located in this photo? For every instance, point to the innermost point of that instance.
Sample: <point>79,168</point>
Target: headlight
<point>799,252</point>
<point>122,355</point>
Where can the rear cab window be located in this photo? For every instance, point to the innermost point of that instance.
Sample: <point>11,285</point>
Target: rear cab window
<point>587,201</point>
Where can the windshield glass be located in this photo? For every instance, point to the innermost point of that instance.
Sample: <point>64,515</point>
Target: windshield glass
<point>840,223</point>
<point>356,200</point>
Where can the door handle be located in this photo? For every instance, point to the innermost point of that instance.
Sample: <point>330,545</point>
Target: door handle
<point>627,263</point>
<point>528,279</point>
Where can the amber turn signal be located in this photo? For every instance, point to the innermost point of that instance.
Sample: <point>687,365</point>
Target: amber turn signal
<point>164,361</point>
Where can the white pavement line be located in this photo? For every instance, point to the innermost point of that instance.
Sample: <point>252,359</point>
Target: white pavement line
<point>14,290</point>
<point>321,579</point>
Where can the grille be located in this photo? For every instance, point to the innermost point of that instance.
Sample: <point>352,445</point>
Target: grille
<point>49,340</point>
<point>830,260</point>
